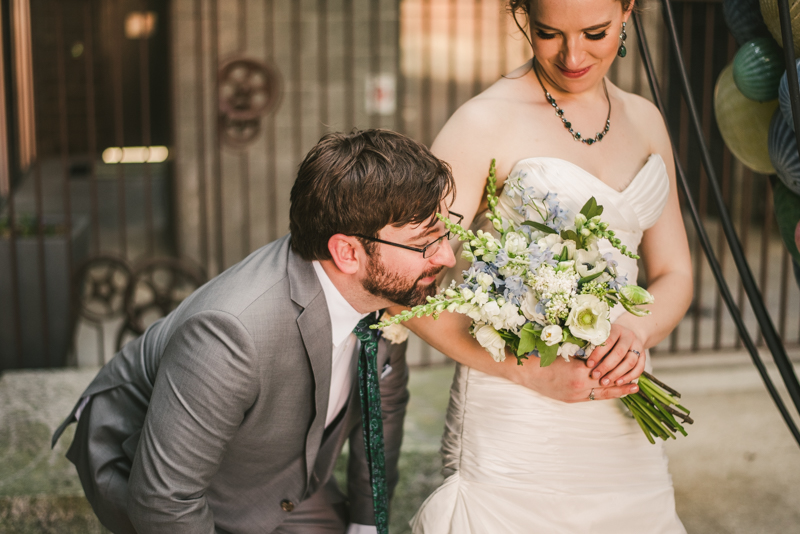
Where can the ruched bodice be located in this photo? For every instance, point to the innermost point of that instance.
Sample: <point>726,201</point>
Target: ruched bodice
<point>519,462</point>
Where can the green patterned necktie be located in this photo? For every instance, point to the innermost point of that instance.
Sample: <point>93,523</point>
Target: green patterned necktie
<point>372,424</point>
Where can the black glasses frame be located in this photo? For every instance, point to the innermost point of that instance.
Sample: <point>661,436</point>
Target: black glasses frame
<point>422,250</point>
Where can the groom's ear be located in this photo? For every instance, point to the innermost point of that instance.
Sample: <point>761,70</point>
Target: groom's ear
<point>345,254</point>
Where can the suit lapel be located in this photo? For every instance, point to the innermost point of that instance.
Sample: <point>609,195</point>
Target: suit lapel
<point>315,328</point>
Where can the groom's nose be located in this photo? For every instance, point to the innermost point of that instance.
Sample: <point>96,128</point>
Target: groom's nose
<point>444,256</point>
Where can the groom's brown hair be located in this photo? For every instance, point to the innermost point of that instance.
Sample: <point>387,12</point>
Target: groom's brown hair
<point>360,182</point>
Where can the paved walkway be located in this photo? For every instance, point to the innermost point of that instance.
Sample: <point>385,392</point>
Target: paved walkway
<point>737,472</point>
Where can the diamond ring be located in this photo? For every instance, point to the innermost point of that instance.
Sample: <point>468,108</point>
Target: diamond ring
<point>636,352</point>
<point>591,395</point>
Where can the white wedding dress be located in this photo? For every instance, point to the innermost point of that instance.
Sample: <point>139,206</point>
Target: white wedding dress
<point>519,462</point>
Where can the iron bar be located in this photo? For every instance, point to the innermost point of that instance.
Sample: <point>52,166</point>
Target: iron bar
<point>144,90</point>
<point>452,87</point>
<point>477,47</point>
<point>426,124</point>
<point>64,141</point>
<point>244,156</point>
<point>114,18</point>
<point>374,55</point>
<point>272,169</point>
<point>219,219</point>
<point>718,275</point>
<point>322,65</point>
<point>91,126</point>
<point>349,67</point>
<point>202,161</point>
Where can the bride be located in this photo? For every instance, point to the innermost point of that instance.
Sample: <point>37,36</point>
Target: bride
<point>538,460</point>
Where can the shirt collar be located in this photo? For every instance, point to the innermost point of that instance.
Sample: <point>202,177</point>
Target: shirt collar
<point>344,317</point>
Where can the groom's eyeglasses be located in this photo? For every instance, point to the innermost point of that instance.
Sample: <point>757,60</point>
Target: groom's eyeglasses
<point>428,250</point>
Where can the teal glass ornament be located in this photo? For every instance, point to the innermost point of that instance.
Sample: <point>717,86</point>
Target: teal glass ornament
<point>744,20</point>
<point>787,215</point>
<point>783,152</point>
<point>783,96</point>
<point>757,69</point>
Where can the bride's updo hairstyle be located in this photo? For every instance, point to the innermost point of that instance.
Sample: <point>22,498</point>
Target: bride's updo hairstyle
<point>524,7</point>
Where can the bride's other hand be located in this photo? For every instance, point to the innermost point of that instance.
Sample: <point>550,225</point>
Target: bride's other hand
<point>620,360</point>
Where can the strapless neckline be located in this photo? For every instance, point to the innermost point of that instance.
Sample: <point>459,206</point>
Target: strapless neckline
<point>651,160</point>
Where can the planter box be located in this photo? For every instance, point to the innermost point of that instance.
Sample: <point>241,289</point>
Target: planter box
<point>40,347</point>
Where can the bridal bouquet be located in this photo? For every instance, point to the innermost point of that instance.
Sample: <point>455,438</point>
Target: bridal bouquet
<point>543,289</point>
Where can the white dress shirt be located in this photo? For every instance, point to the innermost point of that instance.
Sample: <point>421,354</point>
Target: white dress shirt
<point>344,319</point>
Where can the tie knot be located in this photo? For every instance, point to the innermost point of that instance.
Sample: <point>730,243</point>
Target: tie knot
<point>363,331</point>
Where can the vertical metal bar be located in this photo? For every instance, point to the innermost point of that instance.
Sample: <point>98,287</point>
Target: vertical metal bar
<point>451,56</point>
<point>297,74</point>
<point>727,170</point>
<point>789,62</point>
<point>91,125</point>
<point>349,67</point>
<point>117,41</point>
<point>322,65</point>
<point>702,201</point>
<point>426,104</point>
<point>399,120</point>
<point>477,47</point>
<point>374,52</point>
<point>784,299</point>
<point>202,161</point>
<point>766,227</point>
<point>272,169</point>
<point>14,155</point>
<point>144,90</point>
<point>219,219</point>
<point>244,157</point>
<point>744,231</point>
<point>64,138</point>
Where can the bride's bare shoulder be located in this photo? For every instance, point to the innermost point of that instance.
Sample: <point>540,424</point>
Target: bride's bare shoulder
<point>645,119</point>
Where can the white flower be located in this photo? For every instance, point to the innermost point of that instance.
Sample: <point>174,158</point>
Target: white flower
<point>588,319</point>
<point>529,308</point>
<point>510,317</point>
<point>549,240</point>
<point>394,333</point>
<point>551,335</point>
<point>474,313</point>
<point>567,350</point>
<point>571,248</point>
<point>485,280</point>
<point>516,243</point>
<point>467,293</point>
<point>492,342</point>
<point>481,297</point>
<point>589,263</point>
<point>490,313</point>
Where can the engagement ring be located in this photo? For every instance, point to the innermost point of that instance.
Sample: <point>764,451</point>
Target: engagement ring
<point>636,352</point>
<point>591,395</point>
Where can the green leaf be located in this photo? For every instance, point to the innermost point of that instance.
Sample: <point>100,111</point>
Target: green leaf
<point>548,354</point>
<point>527,340</point>
<point>598,211</point>
<point>588,207</point>
<point>569,234</point>
<point>590,277</point>
<point>541,227</point>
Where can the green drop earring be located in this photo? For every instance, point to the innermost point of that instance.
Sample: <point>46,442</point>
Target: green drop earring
<point>622,51</point>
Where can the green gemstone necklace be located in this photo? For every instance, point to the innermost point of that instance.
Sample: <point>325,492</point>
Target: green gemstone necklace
<point>568,125</point>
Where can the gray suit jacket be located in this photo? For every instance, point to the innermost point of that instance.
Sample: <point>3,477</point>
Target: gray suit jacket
<point>237,381</point>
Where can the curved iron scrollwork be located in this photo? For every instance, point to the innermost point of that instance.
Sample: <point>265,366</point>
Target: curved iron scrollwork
<point>248,90</point>
<point>102,283</point>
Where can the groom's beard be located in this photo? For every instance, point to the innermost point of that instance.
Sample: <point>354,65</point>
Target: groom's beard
<point>392,287</point>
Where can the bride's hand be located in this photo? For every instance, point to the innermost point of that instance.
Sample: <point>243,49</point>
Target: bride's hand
<point>620,360</point>
<point>564,381</point>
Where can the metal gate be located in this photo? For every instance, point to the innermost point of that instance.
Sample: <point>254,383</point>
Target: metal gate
<point>152,144</point>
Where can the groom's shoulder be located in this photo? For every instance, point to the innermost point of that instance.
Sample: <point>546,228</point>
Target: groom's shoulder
<point>261,280</point>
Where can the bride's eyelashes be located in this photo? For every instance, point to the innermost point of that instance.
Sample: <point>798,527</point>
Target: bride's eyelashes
<point>597,36</point>
<point>591,36</point>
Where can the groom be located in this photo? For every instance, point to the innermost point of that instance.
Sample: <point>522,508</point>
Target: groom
<point>228,414</point>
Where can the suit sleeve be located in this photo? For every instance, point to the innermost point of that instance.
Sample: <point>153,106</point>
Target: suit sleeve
<point>206,382</point>
<point>394,398</point>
